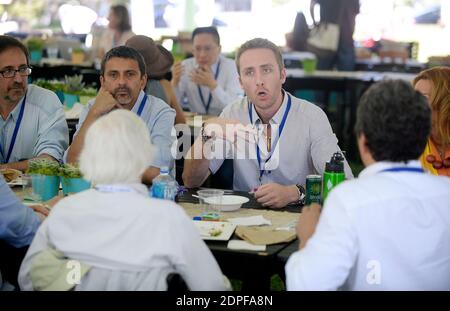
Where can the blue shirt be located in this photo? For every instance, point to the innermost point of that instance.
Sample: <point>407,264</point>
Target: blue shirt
<point>18,223</point>
<point>43,129</point>
<point>159,118</point>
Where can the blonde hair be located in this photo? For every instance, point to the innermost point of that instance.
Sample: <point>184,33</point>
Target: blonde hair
<point>117,149</point>
<point>439,98</point>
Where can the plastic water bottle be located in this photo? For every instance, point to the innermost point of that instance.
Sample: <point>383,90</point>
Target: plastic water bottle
<point>333,175</point>
<point>164,186</point>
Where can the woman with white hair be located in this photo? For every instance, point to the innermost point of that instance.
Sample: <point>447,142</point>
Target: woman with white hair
<point>114,236</point>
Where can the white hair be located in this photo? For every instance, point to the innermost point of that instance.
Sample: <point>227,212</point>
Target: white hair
<point>117,149</point>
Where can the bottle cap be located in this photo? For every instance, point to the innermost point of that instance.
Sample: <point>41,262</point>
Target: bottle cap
<point>197,218</point>
<point>164,170</point>
<point>336,164</point>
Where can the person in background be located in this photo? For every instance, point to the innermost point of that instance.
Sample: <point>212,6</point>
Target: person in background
<point>18,225</point>
<point>159,62</point>
<point>123,78</point>
<point>343,13</point>
<point>294,137</point>
<point>117,33</point>
<point>140,240</point>
<point>32,122</point>
<point>434,84</point>
<point>389,229</point>
<point>208,81</point>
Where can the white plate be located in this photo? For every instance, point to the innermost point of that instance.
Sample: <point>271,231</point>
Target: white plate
<point>228,203</point>
<point>209,229</point>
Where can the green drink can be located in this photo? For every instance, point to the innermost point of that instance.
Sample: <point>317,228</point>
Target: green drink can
<point>313,189</point>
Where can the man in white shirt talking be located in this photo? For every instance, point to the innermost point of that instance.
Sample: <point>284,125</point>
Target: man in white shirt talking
<point>208,81</point>
<point>390,228</point>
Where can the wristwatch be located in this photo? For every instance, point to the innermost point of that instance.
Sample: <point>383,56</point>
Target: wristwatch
<point>301,194</point>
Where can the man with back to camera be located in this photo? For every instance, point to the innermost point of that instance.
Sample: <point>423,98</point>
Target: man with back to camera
<point>390,228</point>
<point>208,81</point>
<point>123,78</point>
<point>294,137</point>
<point>32,123</point>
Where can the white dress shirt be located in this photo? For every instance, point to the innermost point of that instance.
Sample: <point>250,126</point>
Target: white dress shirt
<point>130,240</point>
<point>227,91</point>
<point>307,142</point>
<point>382,231</point>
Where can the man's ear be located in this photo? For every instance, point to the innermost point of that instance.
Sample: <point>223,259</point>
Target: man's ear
<point>102,80</point>
<point>283,75</point>
<point>364,151</point>
<point>144,81</point>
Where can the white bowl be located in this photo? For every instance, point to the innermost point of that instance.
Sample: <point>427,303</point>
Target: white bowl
<point>227,203</point>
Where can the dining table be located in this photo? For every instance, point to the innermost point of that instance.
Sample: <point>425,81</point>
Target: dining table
<point>254,268</point>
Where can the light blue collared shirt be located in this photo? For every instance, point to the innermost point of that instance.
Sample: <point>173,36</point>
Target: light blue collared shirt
<point>227,91</point>
<point>18,223</point>
<point>159,118</point>
<point>306,144</point>
<point>43,129</point>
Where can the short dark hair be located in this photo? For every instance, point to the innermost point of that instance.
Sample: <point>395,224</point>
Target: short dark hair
<point>123,52</point>
<point>7,42</point>
<point>211,30</point>
<point>395,119</point>
<point>123,16</point>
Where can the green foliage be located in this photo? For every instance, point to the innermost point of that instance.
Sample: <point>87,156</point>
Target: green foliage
<point>35,44</point>
<point>70,171</point>
<point>43,167</point>
<point>78,50</point>
<point>52,85</point>
<point>72,85</point>
<point>52,168</point>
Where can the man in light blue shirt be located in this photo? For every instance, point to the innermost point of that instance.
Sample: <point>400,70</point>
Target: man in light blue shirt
<point>123,78</point>
<point>18,224</point>
<point>32,122</point>
<point>208,81</point>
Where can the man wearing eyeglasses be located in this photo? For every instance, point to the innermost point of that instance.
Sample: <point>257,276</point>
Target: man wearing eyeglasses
<point>208,81</point>
<point>32,123</point>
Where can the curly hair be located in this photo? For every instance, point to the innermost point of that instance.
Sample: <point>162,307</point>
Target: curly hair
<point>395,119</point>
<point>439,98</point>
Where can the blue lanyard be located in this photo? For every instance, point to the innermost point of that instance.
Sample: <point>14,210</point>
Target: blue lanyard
<point>16,130</point>
<point>280,130</point>
<point>141,106</point>
<point>210,95</point>
<point>113,188</point>
<point>404,169</point>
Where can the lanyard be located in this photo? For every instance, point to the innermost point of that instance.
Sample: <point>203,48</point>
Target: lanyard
<point>210,95</point>
<point>141,106</point>
<point>16,130</point>
<point>280,130</point>
<point>403,169</point>
<point>113,188</point>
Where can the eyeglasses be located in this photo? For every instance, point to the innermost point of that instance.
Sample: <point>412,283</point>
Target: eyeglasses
<point>11,73</point>
<point>437,164</point>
